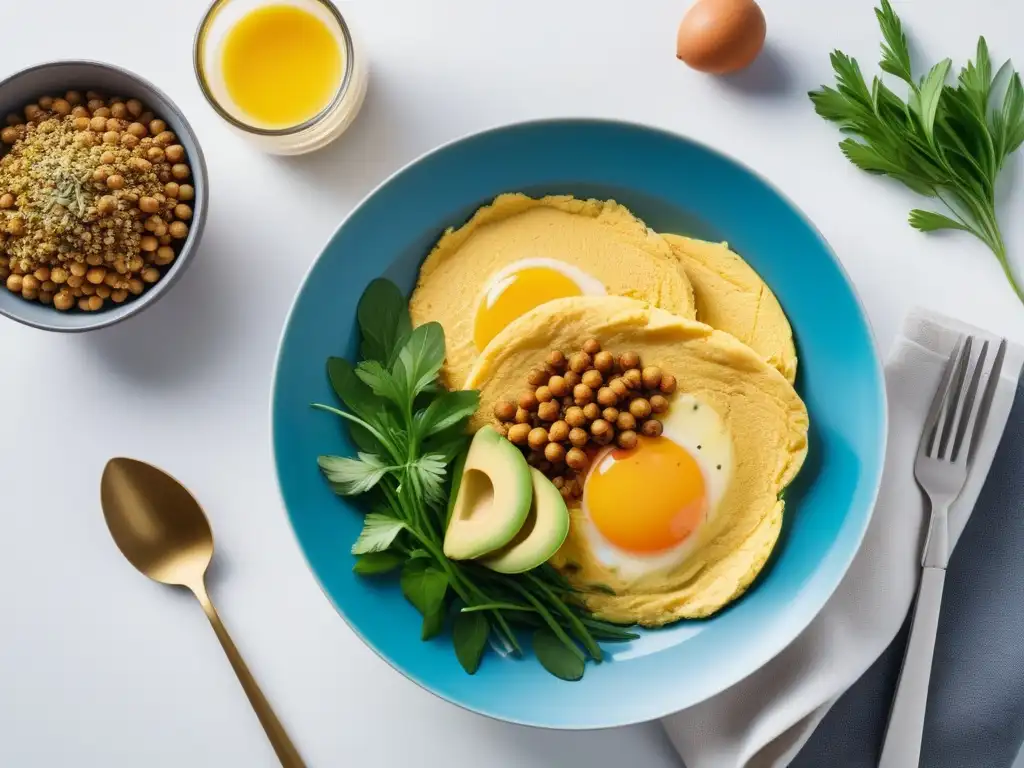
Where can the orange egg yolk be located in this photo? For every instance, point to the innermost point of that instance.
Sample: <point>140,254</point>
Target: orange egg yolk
<point>646,499</point>
<point>515,295</point>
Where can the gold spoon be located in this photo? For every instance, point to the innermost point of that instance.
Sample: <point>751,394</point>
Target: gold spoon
<point>162,530</point>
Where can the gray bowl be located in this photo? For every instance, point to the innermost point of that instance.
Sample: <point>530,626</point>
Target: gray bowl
<point>54,79</point>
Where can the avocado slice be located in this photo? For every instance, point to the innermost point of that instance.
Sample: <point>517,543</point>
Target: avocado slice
<point>493,498</point>
<point>546,527</point>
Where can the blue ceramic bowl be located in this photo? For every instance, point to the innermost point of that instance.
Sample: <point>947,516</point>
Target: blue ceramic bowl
<point>675,185</point>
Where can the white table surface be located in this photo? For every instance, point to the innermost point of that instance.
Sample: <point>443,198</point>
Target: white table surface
<point>99,666</point>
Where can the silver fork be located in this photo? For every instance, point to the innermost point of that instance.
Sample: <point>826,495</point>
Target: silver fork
<point>941,471</point>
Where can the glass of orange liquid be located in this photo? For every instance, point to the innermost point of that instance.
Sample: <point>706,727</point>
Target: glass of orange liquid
<point>285,73</point>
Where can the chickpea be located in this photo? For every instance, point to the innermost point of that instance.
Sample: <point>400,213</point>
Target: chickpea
<point>103,291</point>
<point>75,281</point>
<point>592,379</point>
<point>78,269</point>
<point>504,410</point>
<point>536,377</point>
<point>558,432</point>
<point>556,359</point>
<point>572,379</point>
<point>82,123</point>
<point>45,296</point>
<point>32,111</point>
<point>171,189</point>
<point>633,378</point>
<point>651,428</point>
<point>111,137</point>
<point>155,154</point>
<point>94,259</point>
<point>63,300</point>
<point>73,97</point>
<point>59,275</point>
<point>651,376</point>
<point>157,126</point>
<point>611,415</point>
<point>604,362</point>
<point>574,416</point>
<point>576,459</point>
<point>101,173</point>
<point>115,182</point>
<point>180,171</point>
<point>629,360</point>
<point>602,432</point>
<point>166,140</point>
<point>549,411</point>
<point>42,274</point>
<point>148,205</point>
<point>554,453</point>
<point>579,437</point>
<point>16,226</point>
<point>6,200</point>
<point>29,294</point>
<point>579,362</point>
<point>626,440</point>
<point>95,303</point>
<point>150,275</point>
<point>146,117</point>
<point>544,394</point>
<point>522,416</point>
<point>582,394</point>
<point>96,275</point>
<point>13,119</point>
<point>86,139</point>
<point>625,421</point>
<point>140,164</point>
<point>537,438</point>
<point>148,244</point>
<point>640,408</point>
<point>618,386</point>
<point>118,296</point>
<point>87,289</point>
<point>556,384</point>
<point>165,240</point>
<point>659,403</point>
<point>62,107</point>
<point>46,102</point>
<point>128,141</point>
<point>186,193</point>
<point>83,304</point>
<point>135,263</point>
<point>14,283</point>
<point>134,107</point>
<point>30,283</point>
<point>592,411</point>
<point>165,255</point>
<point>668,384</point>
<point>136,286</point>
<point>591,346</point>
<point>103,112</point>
<point>558,482</point>
<point>98,124</point>
<point>606,396</point>
<point>106,205</point>
<point>528,401</point>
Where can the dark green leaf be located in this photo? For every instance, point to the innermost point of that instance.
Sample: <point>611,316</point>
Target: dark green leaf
<point>448,443</point>
<point>929,221</point>
<point>976,78</point>
<point>433,623</point>
<point>383,317</point>
<point>1012,114</point>
<point>377,534</point>
<point>381,382</point>
<point>420,358</point>
<point>373,563</point>
<point>419,553</point>
<point>469,636</point>
<point>424,585</point>
<point>556,657</point>
<point>447,410</point>
<point>359,399</point>
<point>895,51</point>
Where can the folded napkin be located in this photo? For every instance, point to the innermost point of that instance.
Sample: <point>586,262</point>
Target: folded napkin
<point>766,720</point>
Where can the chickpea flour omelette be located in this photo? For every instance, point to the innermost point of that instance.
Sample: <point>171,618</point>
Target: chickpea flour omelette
<point>616,411</point>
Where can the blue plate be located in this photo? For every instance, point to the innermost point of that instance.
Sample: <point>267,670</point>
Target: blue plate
<point>675,185</point>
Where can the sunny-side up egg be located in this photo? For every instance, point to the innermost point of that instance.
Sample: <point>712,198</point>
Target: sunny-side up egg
<point>522,285</point>
<point>643,507</point>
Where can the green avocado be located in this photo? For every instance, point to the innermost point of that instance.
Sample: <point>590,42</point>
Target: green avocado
<point>546,527</point>
<point>493,498</point>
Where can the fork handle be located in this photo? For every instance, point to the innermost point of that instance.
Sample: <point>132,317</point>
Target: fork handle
<point>902,746</point>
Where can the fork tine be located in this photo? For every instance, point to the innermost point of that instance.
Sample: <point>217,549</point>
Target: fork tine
<point>937,414</point>
<point>962,450</point>
<point>950,409</point>
<point>966,398</point>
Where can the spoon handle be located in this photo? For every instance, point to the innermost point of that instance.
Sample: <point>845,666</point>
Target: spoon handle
<point>283,746</point>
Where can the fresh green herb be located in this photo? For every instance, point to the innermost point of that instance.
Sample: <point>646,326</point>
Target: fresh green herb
<point>556,657</point>
<point>947,142</point>
<point>412,439</point>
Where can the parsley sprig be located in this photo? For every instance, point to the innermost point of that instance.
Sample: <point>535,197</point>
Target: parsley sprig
<point>948,142</point>
<point>411,437</point>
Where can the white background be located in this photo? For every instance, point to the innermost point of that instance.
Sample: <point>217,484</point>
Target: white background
<point>99,666</point>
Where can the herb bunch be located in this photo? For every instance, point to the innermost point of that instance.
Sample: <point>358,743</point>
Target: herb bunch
<point>948,142</point>
<point>411,438</point>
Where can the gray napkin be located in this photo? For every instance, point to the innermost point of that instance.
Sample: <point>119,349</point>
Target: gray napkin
<point>975,715</point>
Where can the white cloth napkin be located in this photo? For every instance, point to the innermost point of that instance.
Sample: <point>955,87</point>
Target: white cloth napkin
<point>763,721</point>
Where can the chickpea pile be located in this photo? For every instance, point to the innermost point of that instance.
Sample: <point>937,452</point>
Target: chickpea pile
<point>580,403</point>
<point>95,198</point>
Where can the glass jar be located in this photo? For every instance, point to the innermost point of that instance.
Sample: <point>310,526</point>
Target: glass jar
<point>310,135</point>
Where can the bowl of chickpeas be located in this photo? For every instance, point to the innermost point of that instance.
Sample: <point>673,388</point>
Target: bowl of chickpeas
<point>103,195</point>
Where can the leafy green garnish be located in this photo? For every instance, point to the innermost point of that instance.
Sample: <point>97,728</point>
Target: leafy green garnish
<point>410,431</point>
<point>948,142</point>
<point>557,658</point>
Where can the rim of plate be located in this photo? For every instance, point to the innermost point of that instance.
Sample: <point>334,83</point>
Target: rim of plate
<point>801,621</point>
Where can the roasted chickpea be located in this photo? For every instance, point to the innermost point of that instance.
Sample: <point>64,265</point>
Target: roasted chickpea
<point>180,171</point>
<point>155,154</point>
<point>556,360</point>
<point>33,111</point>
<point>611,415</point>
<point>522,416</point>
<point>579,362</point>
<point>148,243</point>
<point>558,432</point>
<point>668,384</point>
<point>96,275</point>
<point>558,481</point>
<point>549,411</point>
<point>576,459</point>
<point>103,112</point>
<point>59,275</point>
<point>61,107</point>
<point>78,269</point>
<point>629,360</point>
<point>537,438</point>
<point>165,255</point>
<point>98,124</point>
<point>528,401</point>
<point>602,431</point>
<point>651,428</point>
<point>592,411</point>
<point>171,189</point>
<point>640,408</point>
<point>186,193</point>
<point>6,200</point>
<point>618,386</point>
<point>582,394</point>
<point>119,295</point>
<point>150,275</point>
<point>633,378</point>
<point>73,97</point>
<point>175,152</point>
<point>575,417</point>
<point>557,386</point>
<point>592,379</point>
<point>140,164</point>
<point>146,118</point>
<point>604,362</point>
<point>14,283</point>
<point>16,226</point>
<point>9,135</point>
<point>81,124</point>
<point>659,403</point>
<point>544,394</point>
<point>554,453</point>
<point>30,283</point>
<point>651,377</point>
<point>572,379</point>
<point>63,300</point>
<point>626,439</point>
<point>606,397</point>
<point>106,205</point>
<point>148,205</point>
<point>136,286</point>
<point>579,437</point>
<point>536,377</point>
<point>87,289</point>
<point>115,182</point>
<point>504,410</point>
<point>75,281</point>
<point>134,107</point>
<point>119,110</point>
<point>83,303</point>
<point>591,346</point>
<point>183,211</point>
<point>129,142</point>
<point>95,303</point>
<point>157,126</point>
<point>625,421</point>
